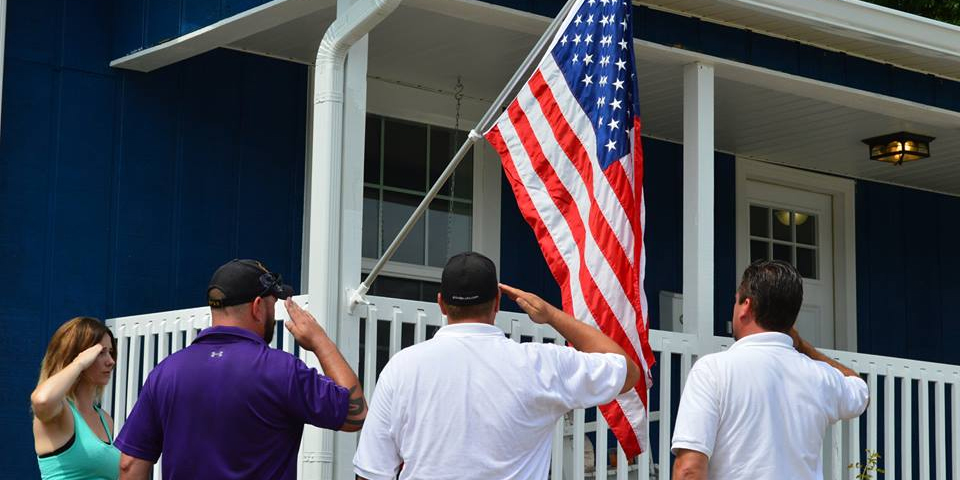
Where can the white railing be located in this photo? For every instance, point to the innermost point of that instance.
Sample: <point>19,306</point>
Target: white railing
<point>906,395</point>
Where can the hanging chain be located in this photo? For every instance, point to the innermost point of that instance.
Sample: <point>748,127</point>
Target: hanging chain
<point>458,95</point>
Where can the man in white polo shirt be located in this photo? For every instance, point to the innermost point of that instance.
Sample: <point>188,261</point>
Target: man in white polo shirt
<point>760,409</point>
<point>473,404</point>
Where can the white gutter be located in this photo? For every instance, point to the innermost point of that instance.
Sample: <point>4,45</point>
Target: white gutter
<point>324,222</point>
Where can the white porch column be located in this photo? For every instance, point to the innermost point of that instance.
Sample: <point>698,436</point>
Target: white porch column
<point>698,185</point>
<point>333,216</point>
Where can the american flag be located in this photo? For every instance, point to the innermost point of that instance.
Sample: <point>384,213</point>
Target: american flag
<point>570,147</point>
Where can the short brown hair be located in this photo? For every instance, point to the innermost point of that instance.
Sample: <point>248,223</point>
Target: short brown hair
<point>68,341</point>
<point>464,312</point>
<point>776,289</point>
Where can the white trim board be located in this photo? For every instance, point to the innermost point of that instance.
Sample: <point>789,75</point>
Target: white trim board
<point>843,193</point>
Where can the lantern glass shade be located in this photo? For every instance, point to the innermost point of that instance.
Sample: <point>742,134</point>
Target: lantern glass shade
<point>899,147</point>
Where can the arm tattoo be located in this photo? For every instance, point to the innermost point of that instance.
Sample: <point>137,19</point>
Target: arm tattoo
<point>357,406</point>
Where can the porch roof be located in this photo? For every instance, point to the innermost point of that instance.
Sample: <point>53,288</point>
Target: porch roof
<point>760,113</point>
<point>851,26</point>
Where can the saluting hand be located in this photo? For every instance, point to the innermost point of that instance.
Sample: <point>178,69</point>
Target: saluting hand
<point>303,326</point>
<point>87,357</point>
<point>539,310</point>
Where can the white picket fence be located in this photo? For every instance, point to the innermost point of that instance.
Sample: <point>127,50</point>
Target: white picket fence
<point>911,401</point>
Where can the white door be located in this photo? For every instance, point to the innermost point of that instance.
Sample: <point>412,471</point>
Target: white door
<point>782,223</point>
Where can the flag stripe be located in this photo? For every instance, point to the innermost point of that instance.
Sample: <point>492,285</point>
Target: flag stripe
<point>550,252</point>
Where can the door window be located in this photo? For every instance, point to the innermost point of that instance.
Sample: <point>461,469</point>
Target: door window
<point>781,234</point>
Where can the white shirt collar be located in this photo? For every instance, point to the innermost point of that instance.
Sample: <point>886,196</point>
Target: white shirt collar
<point>469,329</point>
<point>772,339</point>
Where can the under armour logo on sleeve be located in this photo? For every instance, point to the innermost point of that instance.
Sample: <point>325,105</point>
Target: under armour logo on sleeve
<point>216,354</point>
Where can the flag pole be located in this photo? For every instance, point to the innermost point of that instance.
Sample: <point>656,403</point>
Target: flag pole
<point>356,295</point>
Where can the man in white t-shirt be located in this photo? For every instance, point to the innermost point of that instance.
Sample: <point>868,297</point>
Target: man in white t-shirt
<point>472,404</point>
<point>760,409</point>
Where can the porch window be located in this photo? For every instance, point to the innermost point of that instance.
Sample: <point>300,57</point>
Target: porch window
<point>402,159</point>
<point>782,234</point>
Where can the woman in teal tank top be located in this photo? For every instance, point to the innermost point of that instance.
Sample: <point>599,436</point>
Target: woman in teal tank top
<point>72,436</point>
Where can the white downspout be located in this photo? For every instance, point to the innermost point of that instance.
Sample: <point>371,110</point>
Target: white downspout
<point>323,222</point>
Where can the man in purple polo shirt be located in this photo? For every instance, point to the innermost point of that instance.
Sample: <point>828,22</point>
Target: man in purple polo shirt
<point>229,406</point>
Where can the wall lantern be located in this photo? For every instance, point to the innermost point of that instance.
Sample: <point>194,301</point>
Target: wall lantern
<point>899,147</point>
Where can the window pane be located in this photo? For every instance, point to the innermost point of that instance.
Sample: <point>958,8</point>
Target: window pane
<point>371,150</point>
<point>759,251</point>
<point>781,225</point>
<point>782,252</point>
<point>807,262</point>
<point>371,219</point>
<point>397,208</point>
<point>806,228</point>
<point>758,222</point>
<point>441,151</point>
<point>463,178</point>
<point>405,155</point>
<point>450,231</point>
<point>444,143</point>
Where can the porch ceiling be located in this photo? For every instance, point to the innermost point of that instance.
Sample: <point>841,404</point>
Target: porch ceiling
<point>759,114</point>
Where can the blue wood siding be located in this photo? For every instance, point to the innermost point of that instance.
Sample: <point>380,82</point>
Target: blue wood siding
<point>907,283</point>
<point>522,263</point>
<point>140,24</point>
<point>120,192</point>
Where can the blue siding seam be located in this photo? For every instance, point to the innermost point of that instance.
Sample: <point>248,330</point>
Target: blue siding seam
<point>113,226</point>
<point>176,227</point>
<point>50,235</point>
<point>238,179</point>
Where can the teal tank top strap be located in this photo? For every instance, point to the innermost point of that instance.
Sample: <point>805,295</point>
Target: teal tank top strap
<point>103,421</point>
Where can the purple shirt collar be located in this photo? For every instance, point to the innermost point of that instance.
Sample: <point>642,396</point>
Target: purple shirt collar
<point>233,331</point>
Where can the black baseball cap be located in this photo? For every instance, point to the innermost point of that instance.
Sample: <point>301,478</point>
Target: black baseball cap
<point>241,281</point>
<point>469,278</point>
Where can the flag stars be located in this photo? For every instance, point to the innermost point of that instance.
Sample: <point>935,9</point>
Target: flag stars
<point>615,104</point>
<point>623,24</point>
<point>563,41</point>
<point>587,59</point>
<point>611,145</point>
<point>577,21</point>
<point>621,65</point>
<point>604,61</point>
<point>605,21</point>
<point>601,101</point>
<point>590,19</point>
<point>614,124</point>
<point>575,59</point>
<point>623,44</point>
<point>618,84</point>
<point>603,81</point>
<point>576,39</point>
<point>606,41</point>
<point>589,39</point>
<point>587,80</point>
